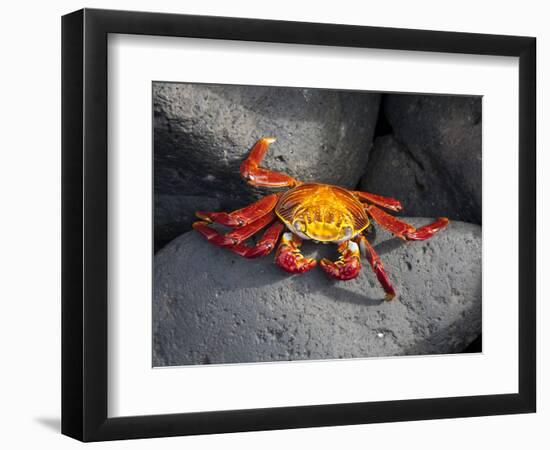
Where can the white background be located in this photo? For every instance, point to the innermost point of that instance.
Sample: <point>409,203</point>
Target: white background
<point>30,177</point>
<point>135,389</point>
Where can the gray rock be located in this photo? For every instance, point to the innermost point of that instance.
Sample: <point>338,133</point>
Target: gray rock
<point>202,133</point>
<point>432,163</point>
<point>211,306</point>
<point>393,172</point>
<point>174,214</point>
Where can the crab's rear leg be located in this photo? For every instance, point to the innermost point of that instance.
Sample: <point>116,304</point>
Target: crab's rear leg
<point>264,246</point>
<point>235,236</point>
<point>377,266</point>
<point>290,258</point>
<point>404,230</point>
<point>347,266</point>
<point>242,216</point>
<point>258,176</point>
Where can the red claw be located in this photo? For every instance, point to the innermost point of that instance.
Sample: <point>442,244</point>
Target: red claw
<point>289,257</point>
<point>258,176</point>
<point>348,265</point>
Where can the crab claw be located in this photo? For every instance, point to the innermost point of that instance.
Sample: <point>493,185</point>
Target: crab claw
<point>290,258</point>
<point>348,265</point>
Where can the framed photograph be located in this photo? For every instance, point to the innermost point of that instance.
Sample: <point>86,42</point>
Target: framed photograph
<point>273,224</point>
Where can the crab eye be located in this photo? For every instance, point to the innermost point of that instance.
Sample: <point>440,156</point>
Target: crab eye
<point>299,226</point>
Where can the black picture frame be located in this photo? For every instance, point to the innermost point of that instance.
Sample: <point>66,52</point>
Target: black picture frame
<point>84,224</point>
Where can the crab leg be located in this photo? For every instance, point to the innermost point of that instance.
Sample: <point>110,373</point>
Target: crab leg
<point>242,216</point>
<point>377,266</point>
<point>264,246</point>
<point>348,265</point>
<point>258,176</point>
<point>402,229</point>
<point>385,202</point>
<point>234,237</point>
<point>290,258</point>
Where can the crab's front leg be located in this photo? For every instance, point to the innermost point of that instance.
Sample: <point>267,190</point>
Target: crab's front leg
<point>290,258</point>
<point>348,265</point>
<point>258,176</point>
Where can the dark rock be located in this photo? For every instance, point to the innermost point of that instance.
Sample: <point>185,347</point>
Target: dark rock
<point>174,214</point>
<point>202,133</point>
<point>393,172</point>
<point>212,306</point>
<point>432,163</point>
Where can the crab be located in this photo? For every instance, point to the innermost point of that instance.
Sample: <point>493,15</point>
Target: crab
<point>319,212</point>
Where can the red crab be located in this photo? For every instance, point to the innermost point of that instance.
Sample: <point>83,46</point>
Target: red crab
<point>320,212</point>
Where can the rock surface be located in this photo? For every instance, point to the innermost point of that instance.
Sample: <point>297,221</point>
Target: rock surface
<point>202,133</point>
<point>393,172</point>
<point>211,306</point>
<point>432,163</point>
